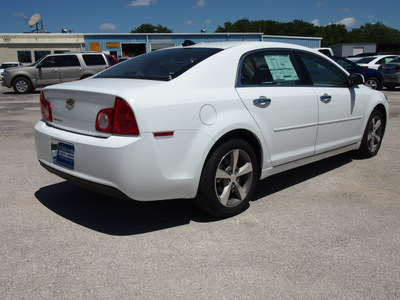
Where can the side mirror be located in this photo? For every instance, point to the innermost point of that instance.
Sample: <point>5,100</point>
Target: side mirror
<point>356,79</point>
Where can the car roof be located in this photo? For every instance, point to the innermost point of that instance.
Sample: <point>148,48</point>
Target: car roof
<point>248,44</point>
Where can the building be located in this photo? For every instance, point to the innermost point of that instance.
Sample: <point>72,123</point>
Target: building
<point>29,47</point>
<point>354,49</point>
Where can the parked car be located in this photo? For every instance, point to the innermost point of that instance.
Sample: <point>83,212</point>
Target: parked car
<point>373,78</point>
<point>124,58</point>
<point>327,51</point>
<point>373,62</point>
<point>206,121</point>
<point>54,68</point>
<point>112,59</point>
<point>9,64</point>
<point>391,73</point>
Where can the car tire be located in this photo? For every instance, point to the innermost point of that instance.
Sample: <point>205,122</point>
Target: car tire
<point>229,179</point>
<point>390,86</point>
<point>22,85</point>
<point>373,135</point>
<point>373,83</point>
<point>84,77</point>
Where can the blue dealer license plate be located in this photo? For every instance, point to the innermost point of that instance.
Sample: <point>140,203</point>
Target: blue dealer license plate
<point>65,155</point>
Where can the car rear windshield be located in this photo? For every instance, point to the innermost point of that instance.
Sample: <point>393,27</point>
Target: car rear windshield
<point>4,66</point>
<point>161,65</point>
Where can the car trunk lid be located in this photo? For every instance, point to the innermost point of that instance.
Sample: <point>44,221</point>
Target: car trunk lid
<point>75,105</point>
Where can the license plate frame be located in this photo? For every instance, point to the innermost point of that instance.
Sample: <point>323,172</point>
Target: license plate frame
<point>65,155</point>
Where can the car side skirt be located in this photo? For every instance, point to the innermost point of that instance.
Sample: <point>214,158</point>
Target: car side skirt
<point>304,161</point>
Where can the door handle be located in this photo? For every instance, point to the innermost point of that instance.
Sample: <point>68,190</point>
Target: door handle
<point>79,69</point>
<point>54,70</point>
<point>325,98</point>
<point>262,102</point>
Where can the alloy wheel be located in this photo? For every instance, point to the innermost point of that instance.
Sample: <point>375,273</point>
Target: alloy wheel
<point>234,178</point>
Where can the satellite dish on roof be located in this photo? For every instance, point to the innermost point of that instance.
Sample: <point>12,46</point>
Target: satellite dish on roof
<point>34,20</point>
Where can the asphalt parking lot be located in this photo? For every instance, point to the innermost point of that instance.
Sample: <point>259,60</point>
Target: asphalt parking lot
<point>330,230</point>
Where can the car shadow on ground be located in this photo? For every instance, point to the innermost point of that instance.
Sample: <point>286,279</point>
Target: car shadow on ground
<point>120,217</point>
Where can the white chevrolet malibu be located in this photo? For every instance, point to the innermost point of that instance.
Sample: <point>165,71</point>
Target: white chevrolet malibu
<point>206,121</point>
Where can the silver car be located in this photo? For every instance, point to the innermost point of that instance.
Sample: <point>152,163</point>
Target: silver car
<point>391,73</point>
<point>54,68</point>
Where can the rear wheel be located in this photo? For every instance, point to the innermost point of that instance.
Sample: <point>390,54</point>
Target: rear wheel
<point>373,135</point>
<point>229,178</point>
<point>373,83</point>
<point>22,85</point>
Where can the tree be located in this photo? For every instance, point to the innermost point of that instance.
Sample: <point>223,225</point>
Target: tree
<point>150,28</point>
<point>331,34</point>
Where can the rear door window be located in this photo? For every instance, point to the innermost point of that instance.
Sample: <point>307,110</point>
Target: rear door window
<point>271,68</point>
<point>70,61</point>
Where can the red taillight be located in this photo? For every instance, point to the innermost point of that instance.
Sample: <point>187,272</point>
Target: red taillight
<point>117,120</point>
<point>45,108</point>
<point>397,69</point>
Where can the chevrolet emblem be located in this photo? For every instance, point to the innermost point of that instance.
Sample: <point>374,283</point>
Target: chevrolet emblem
<point>70,103</point>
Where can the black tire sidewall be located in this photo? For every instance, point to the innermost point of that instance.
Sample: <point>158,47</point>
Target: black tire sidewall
<point>207,194</point>
<point>364,150</point>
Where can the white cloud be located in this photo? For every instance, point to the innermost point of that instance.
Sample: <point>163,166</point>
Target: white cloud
<point>316,22</point>
<point>200,3</point>
<point>348,22</point>
<point>135,3</point>
<point>320,3</point>
<point>108,27</point>
<point>18,15</point>
<point>189,22</point>
<point>208,21</point>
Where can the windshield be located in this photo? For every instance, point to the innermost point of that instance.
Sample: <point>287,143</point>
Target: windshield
<point>161,65</point>
<point>38,61</point>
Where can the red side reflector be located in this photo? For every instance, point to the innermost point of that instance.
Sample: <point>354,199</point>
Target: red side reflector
<point>163,134</point>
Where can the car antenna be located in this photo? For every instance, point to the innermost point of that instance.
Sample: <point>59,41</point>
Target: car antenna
<point>188,43</point>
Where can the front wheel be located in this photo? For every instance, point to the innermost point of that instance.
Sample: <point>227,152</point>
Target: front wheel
<point>373,135</point>
<point>22,85</point>
<point>228,180</point>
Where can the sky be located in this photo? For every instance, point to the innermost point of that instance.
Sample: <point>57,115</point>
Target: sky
<point>189,16</point>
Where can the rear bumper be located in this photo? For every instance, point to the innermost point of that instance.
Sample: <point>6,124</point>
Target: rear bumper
<point>96,187</point>
<point>142,168</point>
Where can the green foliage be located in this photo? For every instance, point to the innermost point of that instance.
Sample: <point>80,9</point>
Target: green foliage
<point>150,28</point>
<point>331,34</point>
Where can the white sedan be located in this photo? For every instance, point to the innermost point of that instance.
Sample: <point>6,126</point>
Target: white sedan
<point>373,62</point>
<point>206,121</point>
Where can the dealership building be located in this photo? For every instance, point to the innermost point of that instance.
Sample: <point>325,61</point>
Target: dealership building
<point>29,47</point>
